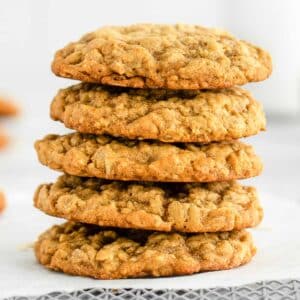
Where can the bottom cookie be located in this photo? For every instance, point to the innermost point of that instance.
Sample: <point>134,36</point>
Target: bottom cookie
<point>93,251</point>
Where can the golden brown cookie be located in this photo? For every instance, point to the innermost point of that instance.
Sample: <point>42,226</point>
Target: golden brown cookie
<point>162,56</point>
<point>110,158</point>
<point>7,108</point>
<point>183,207</point>
<point>166,115</point>
<point>89,250</point>
<point>2,202</point>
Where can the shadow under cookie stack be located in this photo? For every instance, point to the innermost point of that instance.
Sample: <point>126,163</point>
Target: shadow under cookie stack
<point>149,185</point>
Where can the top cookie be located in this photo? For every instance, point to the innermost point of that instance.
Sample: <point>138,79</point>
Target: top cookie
<point>162,56</point>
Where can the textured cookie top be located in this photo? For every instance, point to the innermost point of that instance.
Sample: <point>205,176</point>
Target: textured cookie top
<point>108,254</point>
<point>185,207</point>
<point>166,115</point>
<point>110,158</point>
<point>162,56</point>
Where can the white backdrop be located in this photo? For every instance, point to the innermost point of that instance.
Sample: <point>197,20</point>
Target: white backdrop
<point>31,31</point>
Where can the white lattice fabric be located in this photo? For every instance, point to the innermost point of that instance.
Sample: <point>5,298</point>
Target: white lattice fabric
<point>288,290</point>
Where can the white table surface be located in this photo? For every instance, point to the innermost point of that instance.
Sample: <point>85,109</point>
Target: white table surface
<point>20,173</point>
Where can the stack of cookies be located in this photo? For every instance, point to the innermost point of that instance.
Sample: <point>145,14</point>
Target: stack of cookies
<point>149,185</point>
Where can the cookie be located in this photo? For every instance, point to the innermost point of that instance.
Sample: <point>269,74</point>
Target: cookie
<point>7,108</point>
<point>111,158</point>
<point>89,250</point>
<point>162,56</point>
<point>166,115</point>
<point>3,139</point>
<point>2,202</point>
<point>184,207</point>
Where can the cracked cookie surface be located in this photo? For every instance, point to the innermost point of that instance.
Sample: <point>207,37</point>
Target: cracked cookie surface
<point>182,207</point>
<point>166,115</point>
<point>110,158</point>
<point>162,56</point>
<point>89,250</point>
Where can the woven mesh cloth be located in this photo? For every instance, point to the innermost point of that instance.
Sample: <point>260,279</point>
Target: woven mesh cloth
<point>289,289</point>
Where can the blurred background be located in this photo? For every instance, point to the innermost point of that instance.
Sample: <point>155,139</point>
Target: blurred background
<point>31,31</point>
